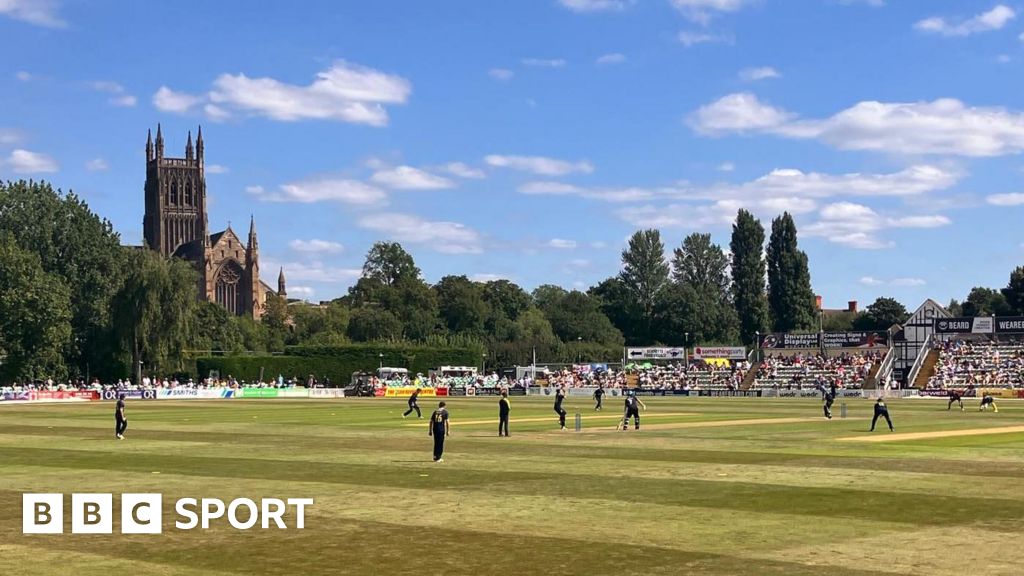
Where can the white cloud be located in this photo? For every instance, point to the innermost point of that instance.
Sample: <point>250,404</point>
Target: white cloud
<point>323,190</point>
<point>1003,58</point>
<point>23,76</point>
<point>598,244</point>
<point>726,167</point>
<point>579,263</point>
<point>167,100</point>
<point>861,227</point>
<point>702,10</point>
<point>544,62</point>
<point>612,58</point>
<point>26,162</point>
<point>38,12</point>
<point>583,6</point>
<point>944,126</point>
<point>779,183</point>
<point>487,277</point>
<point>303,292</point>
<point>716,214</point>
<point>740,112</point>
<point>97,165</point>
<point>463,170</point>
<point>691,38</point>
<point>216,113</point>
<point>316,246</point>
<point>313,272</point>
<point>216,169</point>
<point>895,282</point>
<point>409,178</point>
<point>118,96</point>
<point>503,74</point>
<point>444,237</point>
<point>562,244</point>
<point>994,19</point>
<point>9,136</point>
<point>760,73</point>
<point>344,92</point>
<point>1012,199</point>
<point>539,165</point>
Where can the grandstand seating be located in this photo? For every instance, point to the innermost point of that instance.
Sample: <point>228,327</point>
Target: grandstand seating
<point>979,362</point>
<point>809,371</point>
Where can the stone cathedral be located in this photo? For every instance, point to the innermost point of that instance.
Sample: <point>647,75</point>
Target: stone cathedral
<point>175,224</point>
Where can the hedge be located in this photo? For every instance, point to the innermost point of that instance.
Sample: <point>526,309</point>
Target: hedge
<point>338,362</point>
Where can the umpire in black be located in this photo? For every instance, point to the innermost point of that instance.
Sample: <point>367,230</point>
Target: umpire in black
<point>504,408</point>
<point>881,411</point>
<point>439,430</point>
<point>829,398</point>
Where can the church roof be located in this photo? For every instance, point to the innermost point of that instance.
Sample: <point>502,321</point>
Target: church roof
<point>192,251</point>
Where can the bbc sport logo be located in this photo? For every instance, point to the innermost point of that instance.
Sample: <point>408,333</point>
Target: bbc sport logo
<point>93,513</point>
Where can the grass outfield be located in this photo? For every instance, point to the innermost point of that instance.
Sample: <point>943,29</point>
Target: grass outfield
<point>710,486</point>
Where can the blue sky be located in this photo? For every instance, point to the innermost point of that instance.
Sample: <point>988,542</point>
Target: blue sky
<point>527,140</point>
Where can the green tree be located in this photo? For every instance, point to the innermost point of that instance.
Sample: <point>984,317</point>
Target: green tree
<point>955,308</point>
<point>388,262</point>
<point>547,296</point>
<point>35,317</point>
<point>81,249</point>
<point>790,298</point>
<point>579,317</point>
<point>371,324</point>
<point>215,329</point>
<point>881,314</point>
<point>153,312</point>
<point>1014,291</point>
<point>461,304</point>
<point>985,302</point>
<point>748,275</point>
<point>645,273</point>
<point>324,323</point>
<point>617,304</point>
<point>703,268</point>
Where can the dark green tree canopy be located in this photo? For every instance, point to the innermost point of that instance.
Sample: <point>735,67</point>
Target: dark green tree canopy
<point>388,262</point>
<point>791,301</point>
<point>748,275</point>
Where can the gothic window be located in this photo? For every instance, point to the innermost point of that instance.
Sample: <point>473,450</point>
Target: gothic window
<point>229,289</point>
<point>189,197</point>
<point>174,194</point>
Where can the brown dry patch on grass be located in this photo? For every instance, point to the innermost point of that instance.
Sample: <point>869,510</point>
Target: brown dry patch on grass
<point>935,434</point>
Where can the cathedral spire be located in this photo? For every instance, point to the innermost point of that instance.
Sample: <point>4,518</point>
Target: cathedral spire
<point>280,284</point>
<point>159,142</point>
<point>149,145</point>
<point>199,145</point>
<point>253,244</point>
<point>188,147</point>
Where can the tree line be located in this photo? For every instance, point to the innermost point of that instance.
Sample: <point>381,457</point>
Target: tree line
<point>74,302</point>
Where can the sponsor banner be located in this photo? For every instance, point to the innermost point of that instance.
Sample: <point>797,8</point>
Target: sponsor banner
<point>325,393</point>
<point>998,392</point>
<point>727,352</point>
<point>964,325</point>
<point>406,391</point>
<point>633,354</point>
<point>260,393</point>
<point>790,341</point>
<point>194,393</point>
<point>15,396</point>
<point>855,339</point>
<point>456,391</point>
<point>728,393</point>
<point>63,395</point>
<point>849,393</point>
<point>473,391</point>
<point>1010,325</point>
<point>799,394</point>
<point>148,394</point>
